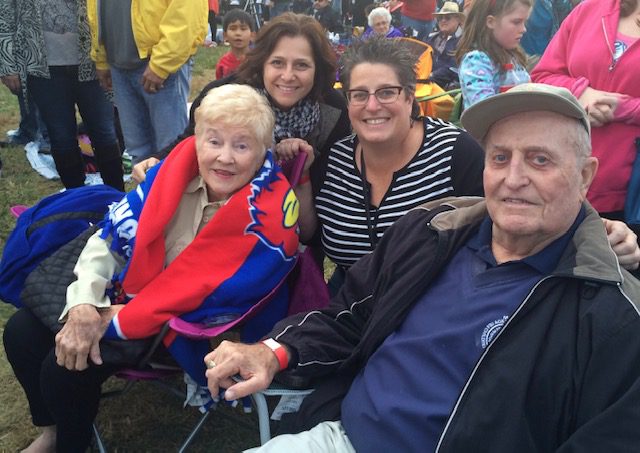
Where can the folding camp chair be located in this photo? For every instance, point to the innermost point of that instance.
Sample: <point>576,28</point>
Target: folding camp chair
<point>441,104</point>
<point>147,371</point>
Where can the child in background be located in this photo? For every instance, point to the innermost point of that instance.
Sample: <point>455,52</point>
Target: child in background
<point>238,31</point>
<point>489,53</point>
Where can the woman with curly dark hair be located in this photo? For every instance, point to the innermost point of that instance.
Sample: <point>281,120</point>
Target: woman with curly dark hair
<point>293,64</point>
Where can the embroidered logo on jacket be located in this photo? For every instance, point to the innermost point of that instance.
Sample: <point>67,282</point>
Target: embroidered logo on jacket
<point>491,330</point>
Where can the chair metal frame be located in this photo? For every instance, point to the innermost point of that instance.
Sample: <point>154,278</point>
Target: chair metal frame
<point>144,371</point>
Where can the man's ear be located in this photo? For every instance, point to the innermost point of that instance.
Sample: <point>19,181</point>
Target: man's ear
<point>588,172</point>
<point>491,22</point>
<point>253,37</point>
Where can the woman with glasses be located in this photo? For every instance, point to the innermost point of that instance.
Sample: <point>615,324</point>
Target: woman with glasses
<point>394,162</point>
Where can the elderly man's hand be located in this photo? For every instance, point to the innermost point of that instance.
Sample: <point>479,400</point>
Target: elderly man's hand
<point>256,364</point>
<point>289,148</point>
<point>139,172</point>
<point>151,82</point>
<point>80,336</point>
<point>624,243</point>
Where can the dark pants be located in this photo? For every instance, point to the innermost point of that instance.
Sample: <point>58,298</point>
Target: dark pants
<point>56,99</point>
<point>57,396</point>
<point>213,25</point>
<point>31,125</point>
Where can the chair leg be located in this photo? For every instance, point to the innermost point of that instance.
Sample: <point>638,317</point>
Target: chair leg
<point>263,417</point>
<point>194,431</point>
<point>99,443</point>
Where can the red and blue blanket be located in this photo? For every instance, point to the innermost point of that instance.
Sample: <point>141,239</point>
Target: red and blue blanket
<point>236,259</point>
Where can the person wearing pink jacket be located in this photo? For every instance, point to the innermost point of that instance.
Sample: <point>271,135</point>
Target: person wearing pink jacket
<point>595,55</point>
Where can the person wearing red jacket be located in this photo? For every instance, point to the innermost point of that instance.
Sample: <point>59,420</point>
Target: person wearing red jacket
<point>418,14</point>
<point>595,55</point>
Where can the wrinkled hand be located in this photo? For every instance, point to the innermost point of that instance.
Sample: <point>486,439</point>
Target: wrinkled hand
<point>104,78</point>
<point>139,171</point>
<point>79,338</point>
<point>290,147</point>
<point>624,243</point>
<point>151,82</point>
<point>601,113</point>
<point>599,105</point>
<point>256,364</point>
<point>12,81</point>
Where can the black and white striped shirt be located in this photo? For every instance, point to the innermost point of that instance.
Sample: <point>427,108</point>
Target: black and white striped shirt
<point>448,163</point>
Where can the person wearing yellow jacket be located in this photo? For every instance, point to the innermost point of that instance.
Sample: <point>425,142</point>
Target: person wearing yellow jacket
<point>142,49</point>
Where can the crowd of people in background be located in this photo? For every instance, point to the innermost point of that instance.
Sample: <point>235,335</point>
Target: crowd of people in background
<point>371,157</point>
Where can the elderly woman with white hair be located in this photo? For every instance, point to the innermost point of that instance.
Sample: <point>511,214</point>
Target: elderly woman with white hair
<point>211,231</point>
<point>379,20</point>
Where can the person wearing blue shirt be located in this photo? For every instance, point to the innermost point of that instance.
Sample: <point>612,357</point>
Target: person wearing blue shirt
<point>502,323</point>
<point>543,22</point>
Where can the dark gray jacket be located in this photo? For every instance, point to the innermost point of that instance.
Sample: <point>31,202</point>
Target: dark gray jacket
<point>562,374</point>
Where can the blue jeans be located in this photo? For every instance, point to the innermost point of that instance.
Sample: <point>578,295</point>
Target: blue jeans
<point>57,98</point>
<point>151,122</point>
<point>422,27</point>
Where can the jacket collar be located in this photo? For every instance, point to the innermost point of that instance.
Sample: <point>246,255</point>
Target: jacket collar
<point>588,255</point>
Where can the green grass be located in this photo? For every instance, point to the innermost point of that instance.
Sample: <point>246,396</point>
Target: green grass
<point>148,418</point>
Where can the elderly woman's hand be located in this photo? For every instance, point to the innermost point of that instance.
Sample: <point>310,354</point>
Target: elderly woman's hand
<point>139,172</point>
<point>290,147</point>
<point>79,338</point>
<point>256,364</point>
<point>600,105</point>
<point>624,243</point>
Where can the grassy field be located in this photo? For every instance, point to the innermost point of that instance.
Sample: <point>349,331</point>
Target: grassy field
<point>147,418</point>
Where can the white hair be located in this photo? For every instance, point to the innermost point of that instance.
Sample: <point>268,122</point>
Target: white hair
<point>378,12</point>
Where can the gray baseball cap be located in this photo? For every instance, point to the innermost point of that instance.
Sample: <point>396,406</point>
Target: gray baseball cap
<point>526,97</point>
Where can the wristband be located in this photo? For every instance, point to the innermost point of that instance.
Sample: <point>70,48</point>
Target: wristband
<point>279,351</point>
<point>305,178</point>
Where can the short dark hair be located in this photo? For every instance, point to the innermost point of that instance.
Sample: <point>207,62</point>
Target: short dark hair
<point>391,52</point>
<point>291,25</point>
<point>237,15</point>
<point>380,50</point>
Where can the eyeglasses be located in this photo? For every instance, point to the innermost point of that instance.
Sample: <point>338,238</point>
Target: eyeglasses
<point>384,95</point>
<point>444,18</point>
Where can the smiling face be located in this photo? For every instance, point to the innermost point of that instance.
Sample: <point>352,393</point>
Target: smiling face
<point>373,121</point>
<point>534,181</point>
<point>228,158</point>
<point>289,71</point>
<point>508,29</point>
<point>381,25</point>
<point>238,35</point>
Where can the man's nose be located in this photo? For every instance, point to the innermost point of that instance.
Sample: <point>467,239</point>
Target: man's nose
<point>517,173</point>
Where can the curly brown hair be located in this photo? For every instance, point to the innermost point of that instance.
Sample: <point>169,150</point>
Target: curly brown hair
<point>251,70</point>
<point>476,35</point>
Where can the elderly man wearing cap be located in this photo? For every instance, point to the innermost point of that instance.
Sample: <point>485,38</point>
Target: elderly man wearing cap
<point>444,43</point>
<point>498,324</point>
